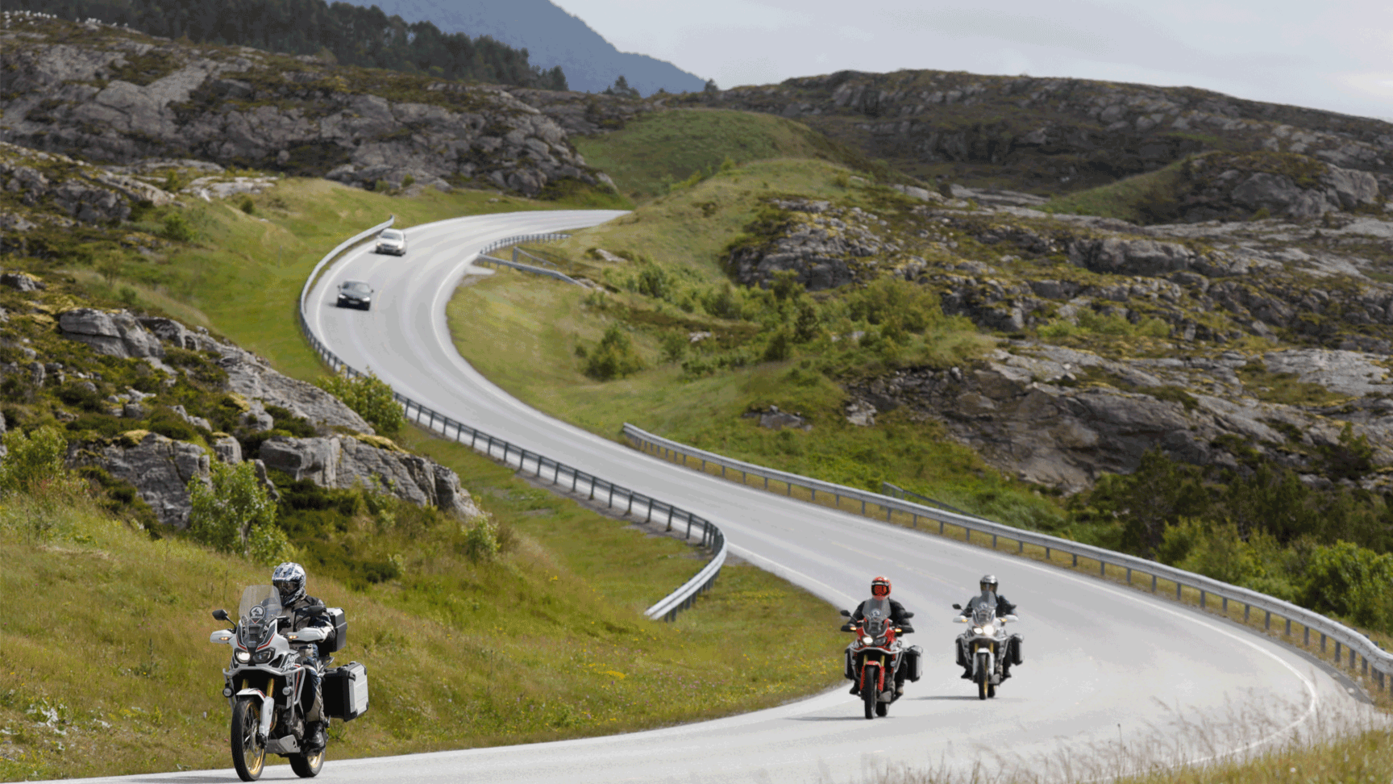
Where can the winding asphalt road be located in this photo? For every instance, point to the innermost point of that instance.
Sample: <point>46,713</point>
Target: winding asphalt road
<point>1107,668</point>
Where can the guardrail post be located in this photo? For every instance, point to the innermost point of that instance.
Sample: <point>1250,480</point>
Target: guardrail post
<point>1153,583</point>
<point>1129,576</point>
<point>1337,651</point>
<point>1267,623</point>
<point>993,541</point>
<point>1177,592</point>
<point>1306,638</point>
<point>1202,598</point>
<point>669,518</point>
<point>1247,608</point>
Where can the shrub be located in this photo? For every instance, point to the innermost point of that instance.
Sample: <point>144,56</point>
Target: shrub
<point>1352,582</point>
<point>615,357</point>
<point>480,539</point>
<point>229,510</point>
<point>916,307</point>
<point>674,346</point>
<point>35,461</point>
<point>370,397</point>
<point>176,227</point>
<point>245,204</point>
<point>779,347</point>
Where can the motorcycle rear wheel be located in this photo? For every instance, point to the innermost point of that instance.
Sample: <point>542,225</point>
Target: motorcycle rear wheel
<point>307,766</point>
<point>869,685</point>
<point>248,754</point>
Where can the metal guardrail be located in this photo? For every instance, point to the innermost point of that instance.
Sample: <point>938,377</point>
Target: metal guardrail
<point>1371,657</point>
<point>581,482</point>
<point>895,491</point>
<point>484,258</point>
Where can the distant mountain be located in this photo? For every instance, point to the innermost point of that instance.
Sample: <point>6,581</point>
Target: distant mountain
<point>552,37</point>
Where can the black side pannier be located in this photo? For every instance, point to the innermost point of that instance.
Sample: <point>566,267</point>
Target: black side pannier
<point>914,662</point>
<point>346,692</point>
<point>1016,641</point>
<point>340,637</point>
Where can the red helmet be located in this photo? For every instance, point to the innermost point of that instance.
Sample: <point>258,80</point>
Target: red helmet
<point>880,587</point>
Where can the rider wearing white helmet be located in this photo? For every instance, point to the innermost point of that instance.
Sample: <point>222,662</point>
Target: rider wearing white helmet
<point>303,612</point>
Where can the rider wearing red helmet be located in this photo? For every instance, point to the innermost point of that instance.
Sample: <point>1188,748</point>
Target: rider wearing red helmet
<point>881,602</point>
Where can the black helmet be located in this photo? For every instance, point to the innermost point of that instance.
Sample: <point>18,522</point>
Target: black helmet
<point>988,582</point>
<point>289,579</point>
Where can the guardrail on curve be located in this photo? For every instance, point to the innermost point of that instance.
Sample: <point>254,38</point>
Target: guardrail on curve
<point>635,503</point>
<point>1371,655</point>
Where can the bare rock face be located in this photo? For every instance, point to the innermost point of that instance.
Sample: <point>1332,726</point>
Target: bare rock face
<point>344,462</point>
<point>1025,412</point>
<point>159,468</point>
<point>114,334</point>
<point>240,107</point>
<point>254,379</point>
<point>20,281</point>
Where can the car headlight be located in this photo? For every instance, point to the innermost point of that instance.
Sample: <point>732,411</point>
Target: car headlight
<point>867,640</point>
<point>244,657</point>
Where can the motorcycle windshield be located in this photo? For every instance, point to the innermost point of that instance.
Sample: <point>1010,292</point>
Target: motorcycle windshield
<point>983,615</point>
<point>260,607</point>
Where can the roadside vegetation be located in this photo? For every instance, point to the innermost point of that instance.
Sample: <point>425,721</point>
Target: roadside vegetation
<point>665,340</point>
<point>534,635</point>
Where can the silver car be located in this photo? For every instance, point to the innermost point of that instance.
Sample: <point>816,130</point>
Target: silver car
<point>355,294</point>
<point>392,241</point>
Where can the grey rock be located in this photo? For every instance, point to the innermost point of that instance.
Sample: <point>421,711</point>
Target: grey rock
<point>160,470</point>
<point>228,449</point>
<point>251,377</point>
<point>113,334</point>
<point>21,281</point>
<point>192,420</point>
<point>344,462</point>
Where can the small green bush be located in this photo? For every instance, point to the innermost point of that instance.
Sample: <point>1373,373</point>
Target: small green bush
<point>177,228</point>
<point>370,397</point>
<point>232,513</point>
<point>1352,582</point>
<point>615,357</point>
<point>35,462</point>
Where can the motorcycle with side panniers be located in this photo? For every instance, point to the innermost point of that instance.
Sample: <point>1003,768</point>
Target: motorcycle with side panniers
<point>876,655</point>
<point>267,680</point>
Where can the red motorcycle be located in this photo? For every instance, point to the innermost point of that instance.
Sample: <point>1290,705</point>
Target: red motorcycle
<point>873,658</point>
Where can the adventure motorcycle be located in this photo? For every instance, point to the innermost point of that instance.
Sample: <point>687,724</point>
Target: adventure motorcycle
<point>873,658</point>
<point>988,647</point>
<point>267,682</point>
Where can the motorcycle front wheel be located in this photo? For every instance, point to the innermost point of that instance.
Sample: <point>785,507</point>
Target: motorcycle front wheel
<point>248,753</point>
<point>869,685</point>
<point>307,766</point>
<point>981,676</point>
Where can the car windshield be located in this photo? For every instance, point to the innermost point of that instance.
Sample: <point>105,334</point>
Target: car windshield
<point>391,234</point>
<point>356,287</point>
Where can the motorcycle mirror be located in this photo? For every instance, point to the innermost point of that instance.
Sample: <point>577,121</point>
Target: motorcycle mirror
<point>847,613</point>
<point>316,609</point>
<point>957,607</point>
<point>1011,617</point>
<point>220,615</point>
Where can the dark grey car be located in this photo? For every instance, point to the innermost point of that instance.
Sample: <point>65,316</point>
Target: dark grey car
<point>355,294</point>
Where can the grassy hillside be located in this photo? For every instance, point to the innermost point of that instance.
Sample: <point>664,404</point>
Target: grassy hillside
<point>660,149</point>
<point>108,671</point>
<point>532,330</point>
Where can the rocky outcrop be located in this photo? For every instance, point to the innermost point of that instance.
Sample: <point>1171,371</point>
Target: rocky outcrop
<point>254,379</point>
<point>242,107</point>
<point>1063,417</point>
<point>116,334</point>
<point>344,462</point>
<point>826,247</point>
<point>158,467</point>
<point>1050,133</point>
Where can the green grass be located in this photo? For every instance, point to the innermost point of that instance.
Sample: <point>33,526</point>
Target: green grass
<point>1136,199</point>
<point>662,148</point>
<point>547,642</point>
<point>521,332</point>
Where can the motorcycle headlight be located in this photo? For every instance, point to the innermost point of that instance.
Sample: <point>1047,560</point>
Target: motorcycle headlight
<point>989,629</point>
<point>264,656</point>
<point>867,640</point>
<point>977,630</point>
<point>243,656</point>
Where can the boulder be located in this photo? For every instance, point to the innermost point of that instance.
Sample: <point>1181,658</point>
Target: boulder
<point>345,462</point>
<point>159,468</point>
<point>21,281</point>
<point>254,379</point>
<point>113,334</point>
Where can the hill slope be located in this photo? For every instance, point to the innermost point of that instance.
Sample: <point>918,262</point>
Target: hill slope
<point>552,37</point>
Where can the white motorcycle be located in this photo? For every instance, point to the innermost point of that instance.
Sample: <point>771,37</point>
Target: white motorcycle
<point>267,679</point>
<point>988,647</point>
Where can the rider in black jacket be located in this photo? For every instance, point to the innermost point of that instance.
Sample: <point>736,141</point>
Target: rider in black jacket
<point>988,584</point>
<point>305,612</point>
<point>880,600</point>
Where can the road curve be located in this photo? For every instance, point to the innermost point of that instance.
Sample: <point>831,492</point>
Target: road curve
<point>1106,667</point>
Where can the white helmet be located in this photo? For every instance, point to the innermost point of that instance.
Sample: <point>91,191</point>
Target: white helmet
<point>289,579</point>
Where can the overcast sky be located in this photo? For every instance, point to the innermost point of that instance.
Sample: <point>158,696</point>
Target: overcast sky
<point>1326,54</point>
